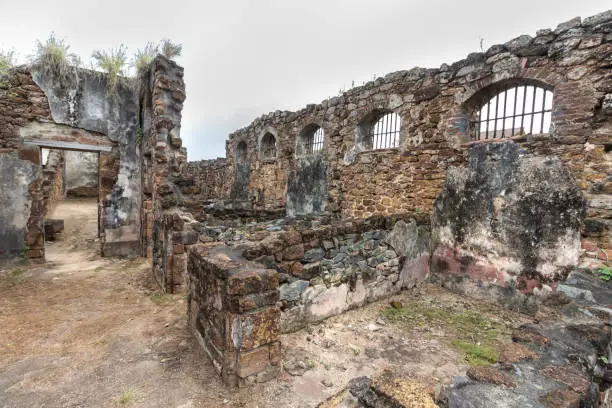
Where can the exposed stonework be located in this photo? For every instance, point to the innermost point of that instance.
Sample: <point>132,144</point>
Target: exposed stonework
<point>508,219</point>
<point>435,106</point>
<point>203,181</point>
<point>509,215</point>
<point>162,161</point>
<point>53,179</point>
<point>233,314</point>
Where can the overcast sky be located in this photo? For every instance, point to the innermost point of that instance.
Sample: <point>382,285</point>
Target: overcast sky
<point>245,58</point>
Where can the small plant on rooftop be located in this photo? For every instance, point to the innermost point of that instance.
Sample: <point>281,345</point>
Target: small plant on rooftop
<point>144,56</point>
<point>7,59</point>
<point>170,49</point>
<point>54,57</point>
<point>112,62</point>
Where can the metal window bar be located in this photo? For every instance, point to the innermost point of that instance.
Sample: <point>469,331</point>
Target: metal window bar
<point>314,141</point>
<point>485,126</point>
<point>385,133</point>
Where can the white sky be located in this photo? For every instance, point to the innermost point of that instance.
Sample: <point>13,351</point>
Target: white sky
<point>244,58</point>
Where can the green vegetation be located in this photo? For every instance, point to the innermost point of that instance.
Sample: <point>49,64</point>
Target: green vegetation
<point>143,57</point>
<point>170,49</point>
<point>162,299</point>
<point>476,354</point>
<point>15,276</point>
<point>605,273</point>
<point>125,398</point>
<point>6,61</point>
<point>113,63</point>
<point>53,56</point>
<point>473,333</point>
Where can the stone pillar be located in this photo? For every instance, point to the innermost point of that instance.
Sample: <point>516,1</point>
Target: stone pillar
<point>233,313</point>
<point>34,246</point>
<point>163,160</point>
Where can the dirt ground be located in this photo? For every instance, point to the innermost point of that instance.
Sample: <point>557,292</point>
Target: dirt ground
<point>85,331</point>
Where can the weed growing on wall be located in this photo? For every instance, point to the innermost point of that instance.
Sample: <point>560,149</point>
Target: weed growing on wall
<point>112,62</point>
<point>171,49</point>
<point>54,57</point>
<point>605,273</point>
<point>144,56</point>
<point>6,61</point>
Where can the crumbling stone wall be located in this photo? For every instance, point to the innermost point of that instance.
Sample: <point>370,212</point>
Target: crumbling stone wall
<point>508,219</point>
<point>164,232</point>
<point>435,106</point>
<point>202,182</point>
<point>40,109</point>
<point>81,174</point>
<point>328,266</point>
<point>21,209</point>
<point>53,180</point>
<point>233,313</point>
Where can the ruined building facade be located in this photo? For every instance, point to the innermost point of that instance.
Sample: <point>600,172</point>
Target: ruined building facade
<point>490,175</point>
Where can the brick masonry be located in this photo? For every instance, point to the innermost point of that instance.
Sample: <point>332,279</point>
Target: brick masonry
<point>233,313</point>
<point>435,106</point>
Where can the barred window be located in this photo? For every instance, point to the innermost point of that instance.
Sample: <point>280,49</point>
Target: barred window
<point>519,110</point>
<point>268,146</point>
<point>310,141</point>
<point>385,132</point>
<point>241,152</point>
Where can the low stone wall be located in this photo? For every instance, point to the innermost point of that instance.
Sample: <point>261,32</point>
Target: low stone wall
<point>232,312</point>
<point>329,266</point>
<point>172,236</point>
<point>346,271</point>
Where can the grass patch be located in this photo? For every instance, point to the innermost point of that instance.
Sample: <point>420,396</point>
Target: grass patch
<point>473,333</point>
<point>475,354</point>
<point>125,398</point>
<point>468,324</point>
<point>15,276</point>
<point>15,273</point>
<point>162,299</point>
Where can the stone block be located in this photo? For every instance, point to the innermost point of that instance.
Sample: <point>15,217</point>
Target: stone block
<point>293,252</point>
<point>251,330</point>
<point>253,362</point>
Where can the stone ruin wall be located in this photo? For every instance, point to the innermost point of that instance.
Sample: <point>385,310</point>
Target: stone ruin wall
<point>21,101</point>
<point>165,229</point>
<point>202,182</point>
<point>435,106</point>
<point>38,109</point>
<point>557,184</point>
<point>53,180</point>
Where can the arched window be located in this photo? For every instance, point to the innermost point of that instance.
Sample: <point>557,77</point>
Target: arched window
<point>380,130</point>
<point>241,152</point>
<point>517,110</point>
<point>267,148</point>
<point>310,141</point>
